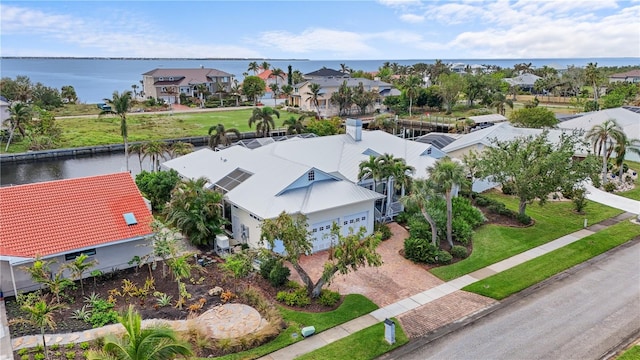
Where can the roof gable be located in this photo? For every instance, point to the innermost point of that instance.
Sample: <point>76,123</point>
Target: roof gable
<point>326,72</point>
<point>54,217</point>
<point>307,179</point>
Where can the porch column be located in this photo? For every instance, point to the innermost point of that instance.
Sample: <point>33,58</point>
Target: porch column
<point>13,280</point>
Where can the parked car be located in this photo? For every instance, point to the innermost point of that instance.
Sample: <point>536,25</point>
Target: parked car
<point>103,107</point>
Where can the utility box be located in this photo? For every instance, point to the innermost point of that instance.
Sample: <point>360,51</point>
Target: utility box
<point>390,331</point>
<point>308,331</point>
<point>222,244</point>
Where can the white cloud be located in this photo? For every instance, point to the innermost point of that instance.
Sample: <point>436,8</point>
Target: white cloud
<point>314,40</point>
<point>412,18</point>
<point>399,3</point>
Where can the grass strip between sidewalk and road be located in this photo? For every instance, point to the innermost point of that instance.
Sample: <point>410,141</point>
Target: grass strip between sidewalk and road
<point>494,243</point>
<point>368,343</point>
<point>353,306</point>
<point>520,277</point>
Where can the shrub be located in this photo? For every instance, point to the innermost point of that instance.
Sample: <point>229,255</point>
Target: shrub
<point>85,345</point>
<point>297,297</point>
<point>419,228</point>
<point>443,257</point>
<point>459,252</point>
<point>482,201</point>
<point>70,346</point>
<point>579,199</point>
<point>266,266</point>
<point>25,357</point>
<point>328,297</point>
<point>279,274</point>
<point>38,356</point>
<point>462,231</point>
<point>508,188</point>
<point>383,229</point>
<point>70,355</point>
<point>609,187</point>
<point>420,250</point>
<point>523,219</point>
<point>102,313</point>
<point>53,347</point>
<point>26,351</point>
<point>462,208</point>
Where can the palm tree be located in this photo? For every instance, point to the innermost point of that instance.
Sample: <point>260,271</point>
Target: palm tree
<point>592,73</point>
<point>155,149</point>
<point>135,90</point>
<point>422,191</point>
<point>220,135</point>
<point>265,66</point>
<point>263,118</point>
<point>136,148</point>
<point>40,314</point>
<point>401,173</point>
<point>253,66</point>
<point>236,91</point>
<point>19,117</point>
<point>499,102</point>
<point>370,169</point>
<point>120,105</point>
<point>345,69</point>
<point>180,148</point>
<point>294,125</point>
<point>153,343</point>
<point>603,137</point>
<point>622,146</point>
<point>275,90</point>
<point>203,90</point>
<point>78,266</point>
<point>447,174</point>
<point>314,93</point>
<point>181,269</point>
<point>412,85</point>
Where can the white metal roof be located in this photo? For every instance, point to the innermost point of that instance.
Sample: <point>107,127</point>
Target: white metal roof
<point>626,117</point>
<point>491,118</point>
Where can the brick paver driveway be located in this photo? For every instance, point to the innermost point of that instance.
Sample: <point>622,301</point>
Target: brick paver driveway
<point>395,280</point>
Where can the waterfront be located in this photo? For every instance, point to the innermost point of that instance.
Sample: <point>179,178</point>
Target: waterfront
<point>96,79</point>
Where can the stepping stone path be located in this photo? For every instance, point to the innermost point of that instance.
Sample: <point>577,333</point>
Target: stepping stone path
<point>222,322</point>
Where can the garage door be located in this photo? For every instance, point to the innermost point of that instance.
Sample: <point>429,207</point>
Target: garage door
<point>354,222</point>
<point>320,233</point>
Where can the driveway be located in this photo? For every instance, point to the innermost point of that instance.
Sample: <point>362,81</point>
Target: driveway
<point>396,279</point>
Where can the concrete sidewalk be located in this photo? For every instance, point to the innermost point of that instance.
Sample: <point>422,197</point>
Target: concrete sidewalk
<point>424,298</point>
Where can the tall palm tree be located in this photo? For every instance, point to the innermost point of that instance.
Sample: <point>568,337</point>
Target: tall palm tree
<point>401,173</point>
<point>345,69</point>
<point>499,102</point>
<point>203,90</point>
<point>603,137</point>
<point>621,148</point>
<point>120,105</point>
<point>592,73</point>
<point>253,66</point>
<point>236,91</point>
<point>263,118</point>
<point>19,117</point>
<point>412,85</point>
<point>155,150</point>
<point>79,266</point>
<point>314,94</point>
<point>370,169</point>
<point>265,66</point>
<point>423,191</point>
<point>180,148</point>
<point>294,125</point>
<point>136,148</point>
<point>448,174</point>
<point>40,314</point>
<point>220,136</point>
<point>153,343</point>
<point>275,90</point>
<point>135,90</point>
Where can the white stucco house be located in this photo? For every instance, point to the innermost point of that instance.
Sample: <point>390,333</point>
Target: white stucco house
<point>102,216</point>
<point>316,177</point>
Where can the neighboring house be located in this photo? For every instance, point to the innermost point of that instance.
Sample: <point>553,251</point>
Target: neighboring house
<point>325,73</point>
<point>561,69</point>
<point>632,76</point>
<point>168,84</point>
<point>461,68</point>
<point>482,121</point>
<point>102,216</point>
<point>316,176</point>
<point>525,81</point>
<point>328,86</point>
<point>4,111</point>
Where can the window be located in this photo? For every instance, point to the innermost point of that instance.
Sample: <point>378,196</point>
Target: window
<point>363,218</point>
<point>321,228</point>
<point>311,175</point>
<point>74,255</point>
<point>351,221</point>
<point>163,89</point>
<point>160,78</point>
<point>346,223</point>
<point>171,78</point>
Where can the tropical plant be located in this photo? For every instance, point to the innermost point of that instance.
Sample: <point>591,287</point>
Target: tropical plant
<point>39,313</point>
<point>499,101</point>
<point>422,192</point>
<point>621,148</point>
<point>448,174</point>
<point>603,137</point>
<point>294,125</point>
<point>593,75</point>
<point>253,66</point>
<point>411,85</point>
<point>120,105</point>
<point>343,98</point>
<point>157,186</point>
<point>152,343</point>
<point>263,118</point>
<point>314,94</point>
<point>78,267</point>
<point>155,150</point>
<point>195,210</point>
<point>19,117</point>
<point>180,148</point>
<point>69,93</point>
<point>220,136</point>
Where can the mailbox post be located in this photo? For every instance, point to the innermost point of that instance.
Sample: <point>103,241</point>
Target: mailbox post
<point>390,331</point>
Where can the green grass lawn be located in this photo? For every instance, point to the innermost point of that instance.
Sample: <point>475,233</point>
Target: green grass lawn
<point>365,344</point>
<point>353,306</point>
<point>91,131</point>
<point>631,354</point>
<point>492,243</point>
<point>520,277</point>
<point>635,193</point>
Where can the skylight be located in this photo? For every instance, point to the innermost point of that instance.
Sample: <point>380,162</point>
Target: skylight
<point>130,219</point>
<point>233,179</point>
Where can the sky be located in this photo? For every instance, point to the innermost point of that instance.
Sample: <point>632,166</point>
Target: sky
<point>322,30</point>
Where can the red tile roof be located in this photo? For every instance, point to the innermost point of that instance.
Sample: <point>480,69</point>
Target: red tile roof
<point>61,216</point>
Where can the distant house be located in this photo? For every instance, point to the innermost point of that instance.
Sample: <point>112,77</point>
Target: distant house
<point>325,73</point>
<point>168,84</point>
<point>4,111</point>
<point>525,81</point>
<point>329,85</point>
<point>316,177</point>
<point>269,79</point>
<point>102,216</point>
<point>632,76</point>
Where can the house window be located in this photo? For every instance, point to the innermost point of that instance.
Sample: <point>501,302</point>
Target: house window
<point>321,228</point>
<point>74,255</point>
<point>171,78</point>
<point>163,89</point>
<point>346,222</point>
<point>161,79</point>
<point>363,218</point>
<point>311,175</point>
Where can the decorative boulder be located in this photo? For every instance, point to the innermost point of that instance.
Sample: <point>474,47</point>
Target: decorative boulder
<point>216,291</point>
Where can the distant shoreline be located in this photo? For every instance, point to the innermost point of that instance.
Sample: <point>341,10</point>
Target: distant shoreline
<point>138,58</point>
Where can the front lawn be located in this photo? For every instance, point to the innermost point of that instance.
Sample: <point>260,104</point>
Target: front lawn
<point>520,277</point>
<point>493,243</point>
<point>365,344</point>
<point>353,306</point>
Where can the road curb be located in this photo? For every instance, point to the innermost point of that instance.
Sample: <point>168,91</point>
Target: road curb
<point>472,318</point>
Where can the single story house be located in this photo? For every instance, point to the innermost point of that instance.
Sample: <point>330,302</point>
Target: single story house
<point>102,216</point>
<point>632,76</point>
<point>316,176</point>
<point>525,81</point>
<point>168,84</point>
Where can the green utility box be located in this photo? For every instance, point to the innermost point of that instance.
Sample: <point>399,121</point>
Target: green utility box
<point>308,331</point>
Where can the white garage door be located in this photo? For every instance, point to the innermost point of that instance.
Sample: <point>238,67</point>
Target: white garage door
<point>354,222</point>
<point>320,232</point>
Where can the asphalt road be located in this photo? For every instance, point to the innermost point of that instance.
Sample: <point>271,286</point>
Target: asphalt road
<point>581,316</point>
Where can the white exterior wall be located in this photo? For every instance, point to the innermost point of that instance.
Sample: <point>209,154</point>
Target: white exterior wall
<point>109,258</point>
<point>343,212</point>
<point>244,218</point>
